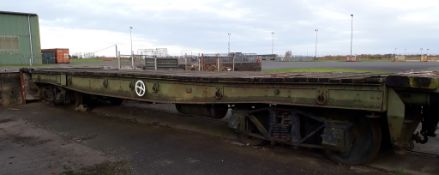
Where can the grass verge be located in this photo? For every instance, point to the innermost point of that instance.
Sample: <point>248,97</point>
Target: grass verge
<point>283,70</point>
<point>86,60</point>
<point>20,65</point>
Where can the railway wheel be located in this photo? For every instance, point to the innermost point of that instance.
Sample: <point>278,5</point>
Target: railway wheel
<point>365,143</point>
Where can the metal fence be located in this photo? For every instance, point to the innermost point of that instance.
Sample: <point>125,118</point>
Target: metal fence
<point>230,62</point>
<point>203,62</point>
<point>161,63</point>
<point>125,62</point>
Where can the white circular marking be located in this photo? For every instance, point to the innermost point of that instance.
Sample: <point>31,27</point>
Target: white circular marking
<point>139,88</point>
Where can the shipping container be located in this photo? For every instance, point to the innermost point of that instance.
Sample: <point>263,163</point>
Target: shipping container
<point>61,55</point>
<point>48,57</point>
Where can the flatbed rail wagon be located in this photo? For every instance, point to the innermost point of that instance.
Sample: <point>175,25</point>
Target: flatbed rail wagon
<point>349,115</point>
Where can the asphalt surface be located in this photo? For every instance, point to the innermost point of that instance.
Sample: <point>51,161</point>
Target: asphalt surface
<point>146,149</point>
<point>374,66</point>
<point>384,66</point>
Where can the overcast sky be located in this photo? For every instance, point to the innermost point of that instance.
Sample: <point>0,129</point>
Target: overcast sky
<point>380,26</point>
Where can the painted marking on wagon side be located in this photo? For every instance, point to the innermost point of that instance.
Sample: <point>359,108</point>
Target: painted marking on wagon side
<point>140,88</point>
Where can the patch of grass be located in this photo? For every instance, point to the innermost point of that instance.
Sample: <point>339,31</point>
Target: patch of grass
<point>400,172</point>
<point>20,65</point>
<point>106,168</point>
<point>86,60</point>
<point>283,70</point>
<point>363,60</point>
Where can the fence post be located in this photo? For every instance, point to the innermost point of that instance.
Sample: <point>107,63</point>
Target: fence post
<point>199,62</point>
<point>132,60</point>
<point>118,58</point>
<point>155,62</point>
<point>217,63</point>
<point>233,63</point>
<point>185,63</point>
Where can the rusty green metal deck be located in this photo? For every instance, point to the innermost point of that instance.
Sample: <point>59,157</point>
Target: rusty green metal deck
<point>423,80</point>
<point>225,77</point>
<point>362,91</point>
<point>426,80</point>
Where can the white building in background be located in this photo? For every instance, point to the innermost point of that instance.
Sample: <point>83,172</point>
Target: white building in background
<point>84,55</point>
<point>159,52</point>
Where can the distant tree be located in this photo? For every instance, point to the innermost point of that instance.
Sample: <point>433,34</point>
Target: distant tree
<point>288,55</point>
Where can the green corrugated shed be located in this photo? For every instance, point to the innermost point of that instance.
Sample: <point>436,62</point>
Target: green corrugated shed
<point>19,38</point>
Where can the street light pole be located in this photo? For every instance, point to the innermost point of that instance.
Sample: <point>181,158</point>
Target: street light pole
<point>131,43</point>
<point>315,49</point>
<point>229,43</point>
<point>272,43</point>
<point>117,57</point>
<point>352,31</point>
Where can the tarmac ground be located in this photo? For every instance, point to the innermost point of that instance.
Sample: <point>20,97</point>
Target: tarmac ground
<point>373,66</point>
<point>138,138</point>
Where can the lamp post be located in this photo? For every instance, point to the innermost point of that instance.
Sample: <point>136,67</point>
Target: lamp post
<point>352,32</point>
<point>272,43</point>
<point>228,44</point>
<point>131,43</point>
<point>315,49</point>
<point>117,57</point>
